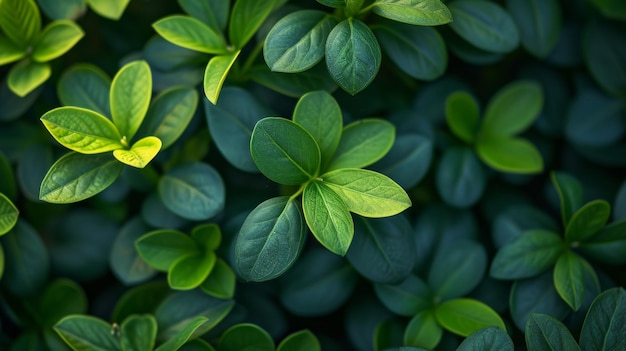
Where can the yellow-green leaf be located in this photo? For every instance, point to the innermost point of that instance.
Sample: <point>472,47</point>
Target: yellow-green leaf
<point>215,74</point>
<point>141,153</point>
<point>8,214</point>
<point>56,39</point>
<point>131,91</point>
<point>27,75</point>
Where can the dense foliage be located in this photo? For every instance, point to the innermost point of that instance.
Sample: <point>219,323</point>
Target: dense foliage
<point>302,175</point>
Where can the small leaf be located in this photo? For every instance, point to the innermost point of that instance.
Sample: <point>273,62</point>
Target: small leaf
<point>328,218</point>
<point>423,330</point>
<point>489,338</point>
<point>56,39</point>
<point>131,90</point>
<point>539,23</point>
<point>8,214</point>
<point>221,281</point>
<point>608,245</point>
<point>111,9</point>
<point>86,86</point>
<point>124,260</point>
<point>161,248</point>
<point>363,143</point>
<point>190,33</point>
<point>20,21</point>
<point>138,333</point>
<point>587,221</point>
<point>215,74</point>
<point>9,52</point>
<point>207,236</point>
<point>604,328</point>
<point>466,316</point>
<point>367,193</point>
<point>302,340</point>
<point>270,239</point>
<point>570,275</point>
<point>87,333</point>
<point>189,271</point>
<point>408,298</point>
<point>416,12</point>
<point>460,177</point>
<point>193,190</point>
<point>75,177</point>
<point>27,75</point>
<point>284,152</point>
<point>297,41</point>
<point>512,109</point>
<point>352,55</point>
<point>462,115</point>
<point>246,18</point>
<point>570,194</point>
<point>141,153</point>
<point>513,155</point>
<point>544,332</point>
<point>186,331</point>
<point>244,336</point>
<point>532,253</point>
<point>66,9</point>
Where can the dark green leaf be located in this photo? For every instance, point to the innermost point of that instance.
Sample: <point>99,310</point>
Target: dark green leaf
<point>303,340</point>
<point>605,53</point>
<point>297,41</point>
<point>465,316</point>
<point>460,177</point>
<point>513,221</point>
<point>363,143</point>
<point>60,298</point>
<point>13,106</point>
<point>141,299</point>
<point>594,119</point>
<point>245,19</point>
<point>184,332</point>
<point>570,194</point>
<point>462,115</point>
<point>214,12</point>
<point>246,336</point>
<point>510,154</point>
<point>587,221</point>
<point>221,281</point>
<point>512,109</point>
<point>88,333</point>
<point>352,55</point>
<point>604,328</point>
<point>487,339</point>
<point>138,333</point>
<point>570,275</point>
<point>333,3</point>
<point>484,24</point>
<point>408,160</point>
<point>407,298</point>
<point>270,239</point>
<point>544,332</point>
<point>56,39</point>
<point>65,9</point>
<point>161,248</point>
<point>539,24</point>
<point>457,269</point>
<point>86,86</point>
<point>294,84</point>
<point>191,33</point>
<point>32,168</point>
<point>614,9</point>
<point>423,330</point>
<point>124,260</point>
<point>20,21</point>
<point>26,75</point>
<point>416,12</point>
<point>284,152</point>
<point>608,245</point>
<point>215,74</point>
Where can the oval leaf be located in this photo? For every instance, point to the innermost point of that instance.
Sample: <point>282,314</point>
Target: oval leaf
<point>544,332</point>
<point>190,33</point>
<point>221,281</point>
<point>416,12</point>
<point>423,330</point>
<point>408,160</point>
<point>246,17</point>
<point>570,276</point>
<point>245,336</point>
<point>408,298</point>
<point>512,109</point>
<point>138,333</point>
<point>363,143</point>
<point>539,24</point>
<point>26,75</point>
<point>86,86</point>
<point>215,74</point>
<point>88,333</point>
<point>161,248</point>
<point>20,21</point>
<point>587,221</point>
<point>141,153</point>
<point>462,115</point>
<point>111,9</point>
<point>489,338</point>
<point>513,155</point>
<point>131,90</point>
<point>124,260</point>
<point>8,214</point>
<point>56,39</point>
<point>466,316</point>
<point>457,269</point>
<point>604,328</point>
<point>570,194</point>
<point>302,340</point>
<point>608,245</point>
<point>189,271</point>
<point>460,177</point>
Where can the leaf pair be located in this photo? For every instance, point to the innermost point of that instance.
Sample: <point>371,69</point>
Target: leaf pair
<point>189,260</point>
<point>22,39</point>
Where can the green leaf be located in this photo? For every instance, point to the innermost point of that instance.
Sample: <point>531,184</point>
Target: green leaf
<point>604,53</point>
<point>512,109</point>
<point>423,330</point>
<point>614,9</point>
<point>169,115</point>
<point>162,248</point>
<point>460,177</point>
<point>417,12</point>
<point>362,143</point>
<point>189,271</point>
<point>8,214</point>
<point>489,338</point>
<point>457,269</point>
<point>245,336</point>
<point>185,332</point>
<point>462,115</point>
<point>594,119</point>
<point>213,13</point>
<point>57,38</point>
<point>20,21</point>
<point>587,221</point>
<point>544,332</point>
<point>65,9</point>
<point>140,299</point>
<point>510,154</point>
<point>604,328</point>
<point>333,3</point>
<point>297,41</point>
<point>284,152</point>
<point>246,18</point>
<point>367,193</point>
<point>529,255</point>
<point>27,75</point>
<point>88,333</point>
<point>111,9</point>
<point>608,245</point>
<point>513,221</point>
<point>294,84</point>
<point>570,275</point>
<point>9,52</point>
<point>75,177</point>
<point>191,33</point>
<point>138,333</point>
<point>221,281</point>
<point>408,298</point>
<point>465,316</point>
<point>82,130</point>
<point>408,160</point>
<point>485,25</point>
<point>570,194</point>
<point>207,236</point>
<point>328,218</point>
<point>539,23</point>
<point>270,239</point>
<point>86,86</point>
<point>141,153</point>
<point>303,340</point>
<point>215,74</point>
<point>60,298</point>
<point>124,260</point>
<point>352,55</point>
<point>193,190</point>
<point>131,90</point>
<point>319,113</point>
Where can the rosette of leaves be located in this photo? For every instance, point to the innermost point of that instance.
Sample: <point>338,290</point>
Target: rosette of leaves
<point>493,139</point>
<point>22,39</point>
<point>586,236</point>
<point>351,51</point>
<point>101,126</point>
<point>313,151</point>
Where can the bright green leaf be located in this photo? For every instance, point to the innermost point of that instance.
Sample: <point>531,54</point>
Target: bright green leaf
<point>27,75</point>
<point>297,41</point>
<point>587,221</point>
<point>86,86</point>
<point>189,271</point>
<point>465,316</point>
<point>190,33</point>
<point>539,23</point>
<point>138,333</point>
<point>353,55</point>
<point>544,332</point>
<point>462,115</point>
<point>8,214</point>
<point>131,91</point>
<point>141,153</point>
<point>215,74</point>
<point>512,109</point>
<point>245,19</point>
<point>423,330</point>
<point>161,248</point>
<point>84,333</point>
<point>328,218</point>
<point>489,338</point>
<point>111,9</point>
<point>20,21</point>
<point>303,340</point>
<point>245,336</point>
<point>75,177</point>
<point>208,236</point>
<point>604,328</point>
<point>510,154</point>
<point>221,281</point>
<point>57,38</point>
<point>284,152</point>
<point>416,12</point>
<point>570,275</point>
<point>570,194</point>
<point>363,143</point>
<point>9,52</point>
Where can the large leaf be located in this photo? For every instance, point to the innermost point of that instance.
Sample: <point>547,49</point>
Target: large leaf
<point>131,91</point>
<point>604,328</point>
<point>88,333</point>
<point>246,336</point>
<point>407,298</point>
<point>111,9</point>
<point>191,33</point>
<point>416,12</point>
<point>9,52</point>
<point>532,253</point>
<point>460,177</point>
<point>544,332</point>
<point>20,21</point>
<point>189,271</point>
<point>297,41</point>
<point>124,260</point>
<point>587,221</point>
<point>462,116</point>
<point>539,24</point>
<point>457,269</point>
<point>138,333</point>
<point>423,330</point>
<point>140,153</point>
<point>193,190</point>
<point>162,248</point>
<point>408,160</point>
<point>294,84</point>
<point>27,75</point>
<point>570,194</point>
<point>56,39</point>
<point>510,154</point>
<point>489,338</point>
<point>8,214</point>
<point>303,340</point>
<point>75,177</point>
<point>86,86</point>
<point>245,19</point>
<point>352,55</point>
<point>363,143</point>
<point>221,281</point>
<point>215,74</point>
<point>512,109</point>
<point>270,239</point>
<point>184,333</point>
<point>608,245</point>
<point>594,119</point>
<point>466,316</point>
<point>571,273</point>
<point>604,54</point>
<point>284,152</point>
